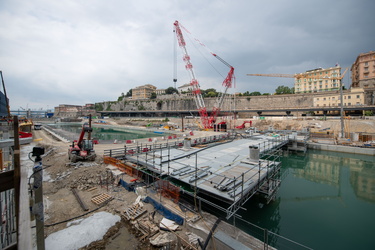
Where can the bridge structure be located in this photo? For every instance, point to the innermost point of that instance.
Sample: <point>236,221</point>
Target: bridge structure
<point>32,113</point>
<point>259,111</point>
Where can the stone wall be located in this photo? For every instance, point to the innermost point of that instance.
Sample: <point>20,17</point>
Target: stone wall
<point>188,103</point>
<point>185,102</point>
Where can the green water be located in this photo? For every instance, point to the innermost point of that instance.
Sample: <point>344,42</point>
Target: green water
<point>326,201</point>
<point>108,133</point>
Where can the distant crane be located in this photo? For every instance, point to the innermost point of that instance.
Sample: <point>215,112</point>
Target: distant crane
<point>303,75</point>
<point>207,121</point>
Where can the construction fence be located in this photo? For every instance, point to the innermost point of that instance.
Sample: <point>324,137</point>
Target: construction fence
<point>164,187</point>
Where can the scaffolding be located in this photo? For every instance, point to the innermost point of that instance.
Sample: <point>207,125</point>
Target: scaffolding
<point>219,166</point>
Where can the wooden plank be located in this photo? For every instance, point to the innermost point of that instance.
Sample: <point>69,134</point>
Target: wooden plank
<point>100,199</point>
<point>17,165</point>
<point>24,231</point>
<point>80,201</point>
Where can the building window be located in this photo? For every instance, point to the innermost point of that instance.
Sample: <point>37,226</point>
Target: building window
<point>317,99</point>
<point>324,99</point>
<point>366,63</point>
<point>349,97</point>
<point>358,96</point>
<point>349,104</point>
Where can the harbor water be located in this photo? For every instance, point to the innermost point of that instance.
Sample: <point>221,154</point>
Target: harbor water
<point>326,201</point>
<point>107,132</point>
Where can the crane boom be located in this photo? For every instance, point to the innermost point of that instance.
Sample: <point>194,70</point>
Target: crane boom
<point>193,80</point>
<point>301,75</point>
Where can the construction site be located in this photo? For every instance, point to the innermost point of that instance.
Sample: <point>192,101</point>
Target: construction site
<point>155,193</point>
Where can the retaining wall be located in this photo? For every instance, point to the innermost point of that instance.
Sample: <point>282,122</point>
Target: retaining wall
<point>342,149</point>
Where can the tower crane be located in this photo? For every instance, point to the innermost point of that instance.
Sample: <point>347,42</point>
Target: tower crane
<point>207,121</point>
<point>302,75</point>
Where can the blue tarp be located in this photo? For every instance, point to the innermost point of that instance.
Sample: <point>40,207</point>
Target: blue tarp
<point>126,185</point>
<point>164,211</point>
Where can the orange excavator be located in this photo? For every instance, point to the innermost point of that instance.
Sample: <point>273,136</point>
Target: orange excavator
<point>83,149</point>
<point>242,126</point>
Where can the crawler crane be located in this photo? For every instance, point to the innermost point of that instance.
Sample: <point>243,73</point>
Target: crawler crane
<point>207,120</point>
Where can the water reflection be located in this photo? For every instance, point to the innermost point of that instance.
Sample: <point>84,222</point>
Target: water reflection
<point>327,167</point>
<point>362,179</point>
<point>322,195</point>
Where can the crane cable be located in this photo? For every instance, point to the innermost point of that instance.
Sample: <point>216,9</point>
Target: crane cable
<point>191,38</point>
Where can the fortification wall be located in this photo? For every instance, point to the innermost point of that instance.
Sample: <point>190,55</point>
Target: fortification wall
<point>230,103</point>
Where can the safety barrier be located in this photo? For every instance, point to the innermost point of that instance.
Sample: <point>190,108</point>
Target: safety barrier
<point>129,170</point>
<point>168,190</point>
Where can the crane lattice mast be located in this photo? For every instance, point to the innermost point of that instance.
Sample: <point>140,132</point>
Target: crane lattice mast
<point>207,122</point>
<point>193,80</point>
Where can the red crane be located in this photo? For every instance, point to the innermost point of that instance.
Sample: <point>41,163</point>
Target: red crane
<point>82,149</point>
<point>207,121</point>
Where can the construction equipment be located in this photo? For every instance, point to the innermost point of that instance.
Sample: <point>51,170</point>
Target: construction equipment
<point>83,149</point>
<point>242,126</point>
<point>206,120</point>
<point>302,75</point>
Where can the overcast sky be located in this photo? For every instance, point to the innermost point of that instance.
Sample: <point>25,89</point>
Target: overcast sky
<point>87,51</point>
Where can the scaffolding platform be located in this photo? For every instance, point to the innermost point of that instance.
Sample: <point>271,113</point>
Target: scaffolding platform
<point>230,171</point>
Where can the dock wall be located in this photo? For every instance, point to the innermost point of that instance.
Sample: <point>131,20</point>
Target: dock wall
<point>342,149</point>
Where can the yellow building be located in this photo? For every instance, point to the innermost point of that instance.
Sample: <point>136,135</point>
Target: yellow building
<point>143,92</point>
<point>363,71</point>
<point>318,80</point>
<point>351,97</point>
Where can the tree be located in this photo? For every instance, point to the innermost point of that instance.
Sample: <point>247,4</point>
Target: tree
<point>121,97</point>
<point>282,90</point>
<point>266,93</point>
<point>130,92</point>
<point>153,95</point>
<point>171,90</point>
<point>255,93</point>
<point>209,92</point>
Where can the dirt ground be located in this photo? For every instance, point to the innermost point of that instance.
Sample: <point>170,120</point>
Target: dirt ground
<point>93,178</point>
<point>60,202</point>
<point>89,179</point>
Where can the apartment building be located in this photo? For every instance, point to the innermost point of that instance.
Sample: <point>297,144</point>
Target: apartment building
<point>143,92</point>
<point>363,71</point>
<point>160,91</point>
<point>318,80</point>
<point>185,88</point>
<point>351,97</point>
